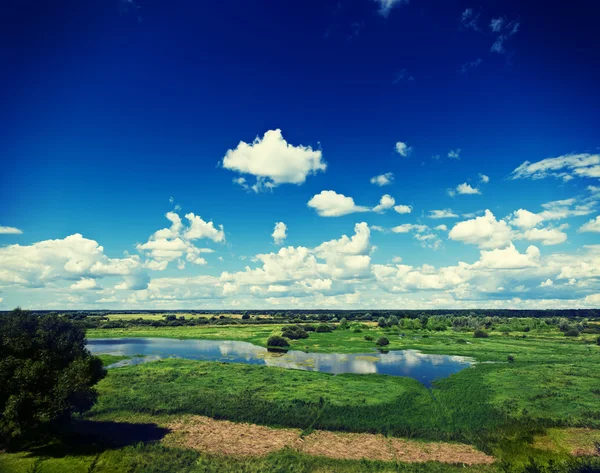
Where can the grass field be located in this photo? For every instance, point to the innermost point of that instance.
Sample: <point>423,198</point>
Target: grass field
<point>541,406</point>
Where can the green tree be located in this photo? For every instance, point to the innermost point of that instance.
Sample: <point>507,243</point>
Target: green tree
<point>343,323</point>
<point>381,322</point>
<point>382,341</point>
<point>393,320</point>
<point>46,374</point>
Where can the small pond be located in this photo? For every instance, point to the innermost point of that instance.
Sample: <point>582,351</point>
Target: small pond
<point>414,364</point>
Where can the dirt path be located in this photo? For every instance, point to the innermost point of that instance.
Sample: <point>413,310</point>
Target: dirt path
<point>231,438</point>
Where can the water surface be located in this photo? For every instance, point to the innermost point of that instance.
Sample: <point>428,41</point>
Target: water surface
<point>414,364</point>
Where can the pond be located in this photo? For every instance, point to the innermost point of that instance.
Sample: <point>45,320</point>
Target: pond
<point>414,364</point>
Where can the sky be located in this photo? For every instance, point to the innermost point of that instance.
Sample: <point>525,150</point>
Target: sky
<point>334,154</point>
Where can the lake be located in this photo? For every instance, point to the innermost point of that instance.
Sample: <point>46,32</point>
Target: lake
<point>411,363</point>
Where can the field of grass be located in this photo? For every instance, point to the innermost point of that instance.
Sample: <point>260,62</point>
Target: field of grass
<point>187,315</point>
<point>516,411</point>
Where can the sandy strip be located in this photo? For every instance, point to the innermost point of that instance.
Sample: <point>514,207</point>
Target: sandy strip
<point>231,438</point>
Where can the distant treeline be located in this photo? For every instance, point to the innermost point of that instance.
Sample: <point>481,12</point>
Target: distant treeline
<point>325,315</point>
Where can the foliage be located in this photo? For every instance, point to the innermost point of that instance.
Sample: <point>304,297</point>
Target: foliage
<point>382,341</point>
<point>480,334</point>
<point>321,328</point>
<point>294,332</point>
<point>381,322</point>
<point>46,374</point>
<point>572,332</point>
<point>344,323</point>
<point>277,341</point>
<point>369,338</point>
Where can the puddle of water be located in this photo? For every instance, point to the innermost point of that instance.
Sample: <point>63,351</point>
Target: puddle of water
<point>411,363</point>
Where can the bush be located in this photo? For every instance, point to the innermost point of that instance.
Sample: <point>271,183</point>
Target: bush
<point>309,328</point>
<point>344,323</point>
<point>572,332</point>
<point>510,358</point>
<point>245,316</point>
<point>277,341</point>
<point>357,330</point>
<point>480,334</point>
<point>324,328</point>
<point>462,341</point>
<point>369,338</point>
<point>294,332</point>
<point>381,322</point>
<point>46,374</point>
<point>382,341</point>
<point>598,341</point>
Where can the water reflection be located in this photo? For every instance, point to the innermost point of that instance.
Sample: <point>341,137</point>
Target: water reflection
<point>411,363</point>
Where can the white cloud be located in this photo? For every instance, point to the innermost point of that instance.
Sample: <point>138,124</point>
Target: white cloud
<point>408,227</point>
<point>483,178</point>
<point>84,284</point>
<point>403,209</point>
<point>386,6</point>
<point>496,24</point>
<point>175,242</point>
<point>383,179</point>
<point>454,153</point>
<point>386,202</point>
<point>592,226</point>
<point>397,259</point>
<point>547,236</point>
<point>525,219</point>
<point>467,66</point>
<point>485,232</point>
<point>441,228</point>
<point>509,258</point>
<point>463,188</point>
<point>547,283</point>
<point>273,161</point>
<point>403,149</point>
<point>10,231</point>
<point>279,233</point>
<point>469,19</point>
<point>565,167</point>
<point>332,204</point>
<point>446,213</point>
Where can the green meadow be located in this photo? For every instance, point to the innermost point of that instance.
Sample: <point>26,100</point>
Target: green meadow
<point>522,388</point>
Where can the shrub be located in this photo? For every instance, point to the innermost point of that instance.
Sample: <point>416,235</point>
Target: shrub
<point>382,341</point>
<point>381,322</point>
<point>510,358</point>
<point>572,332</point>
<point>598,341</point>
<point>294,332</point>
<point>357,330</point>
<point>526,329</point>
<point>369,338</point>
<point>309,328</point>
<point>462,341</point>
<point>343,323</point>
<point>277,341</point>
<point>245,316</point>
<point>480,334</point>
<point>324,328</point>
<point>46,374</point>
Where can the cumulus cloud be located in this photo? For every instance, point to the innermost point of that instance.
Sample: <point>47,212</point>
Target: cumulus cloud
<point>446,213</point>
<point>464,189</point>
<point>485,232</point>
<point>386,6</point>
<point>483,178</point>
<point>386,202</point>
<point>547,236</point>
<point>408,227</point>
<point>273,161</point>
<point>279,233</point>
<point>73,258</point>
<point>84,284</point>
<point>565,167</point>
<point>592,226</point>
<point>403,149</point>
<point>454,153</point>
<point>175,242</point>
<point>442,228</point>
<point>525,219</point>
<point>383,179</point>
<point>403,209</point>
<point>509,258</point>
<point>10,231</point>
<point>332,204</point>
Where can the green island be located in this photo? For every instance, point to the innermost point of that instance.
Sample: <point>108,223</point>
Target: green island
<point>530,401</point>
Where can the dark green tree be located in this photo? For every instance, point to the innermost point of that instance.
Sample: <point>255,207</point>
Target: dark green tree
<point>46,374</point>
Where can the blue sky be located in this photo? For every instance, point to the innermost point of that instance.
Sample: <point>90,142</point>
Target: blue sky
<point>122,117</point>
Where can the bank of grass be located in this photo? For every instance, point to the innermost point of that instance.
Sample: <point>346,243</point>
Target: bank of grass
<point>110,359</point>
<point>154,458</point>
<point>187,315</point>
